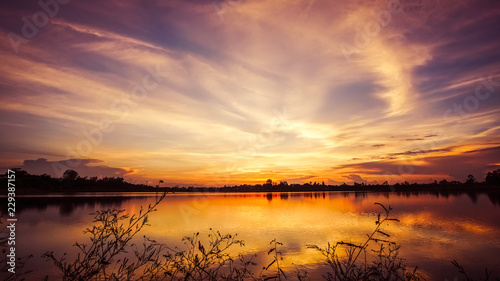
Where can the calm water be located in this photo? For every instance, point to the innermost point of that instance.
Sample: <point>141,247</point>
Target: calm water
<point>433,230</point>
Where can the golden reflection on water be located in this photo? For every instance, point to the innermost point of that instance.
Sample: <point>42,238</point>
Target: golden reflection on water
<point>430,228</point>
<point>433,230</point>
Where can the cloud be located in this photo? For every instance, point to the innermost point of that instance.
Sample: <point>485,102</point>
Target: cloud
<point>299,180</point>
<point>334,182</point>
<point>476,162</point>
<point>85,167</point>
<point>353,178</point>
<point>228,76</point>
<point>356,178</point>
<point>422,152</point>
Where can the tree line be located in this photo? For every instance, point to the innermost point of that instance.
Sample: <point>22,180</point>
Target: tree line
<point>71,181</point>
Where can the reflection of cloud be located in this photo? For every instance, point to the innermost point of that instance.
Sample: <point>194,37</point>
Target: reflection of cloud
<point>431,221</point>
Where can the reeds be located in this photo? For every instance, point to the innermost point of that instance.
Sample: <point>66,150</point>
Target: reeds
<point>102,258</point>
<point>386,265</point>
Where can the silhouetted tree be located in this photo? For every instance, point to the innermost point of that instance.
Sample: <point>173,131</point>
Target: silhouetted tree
<point>70,175</point>
<point>443,182</point>
<point>20,173</point>
<point>269,182</point>
<point>493,178</point>
<point>283,183</point>
<point>470,179</point>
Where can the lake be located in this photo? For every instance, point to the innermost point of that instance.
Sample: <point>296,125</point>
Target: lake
<point>434,229</point>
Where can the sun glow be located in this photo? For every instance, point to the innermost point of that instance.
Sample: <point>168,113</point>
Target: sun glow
<point>248,91</point>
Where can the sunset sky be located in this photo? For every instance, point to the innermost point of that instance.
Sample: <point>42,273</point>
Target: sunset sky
<point>238,91</point>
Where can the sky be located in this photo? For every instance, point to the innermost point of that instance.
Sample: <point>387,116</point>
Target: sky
<point>224,92</point>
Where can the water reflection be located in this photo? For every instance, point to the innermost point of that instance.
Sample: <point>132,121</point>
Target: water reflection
<point>434,228</point>
<point>67,204</point>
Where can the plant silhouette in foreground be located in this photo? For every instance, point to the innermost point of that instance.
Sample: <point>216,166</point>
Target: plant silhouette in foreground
<point>461,270</point>
<point>200,262</point>
<point>278,255</point>
<point>5,260</point>
<point>386,265</point>
<point>109,257</point>
<point>109,237</point>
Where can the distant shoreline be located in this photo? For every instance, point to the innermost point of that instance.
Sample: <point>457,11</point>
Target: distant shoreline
<point>455,188</point>
<point>68,201</point>
<point>71,183</point>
